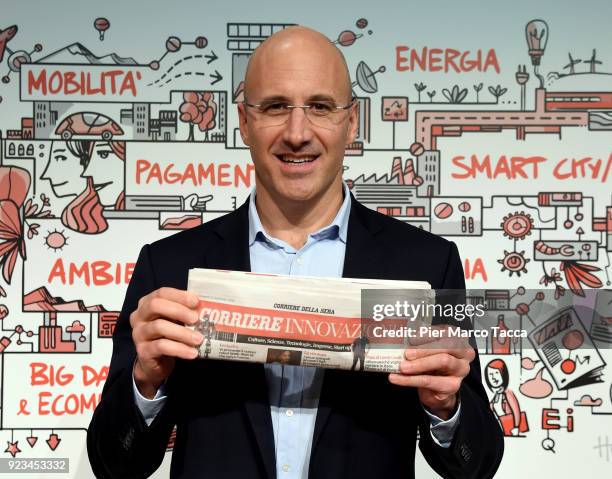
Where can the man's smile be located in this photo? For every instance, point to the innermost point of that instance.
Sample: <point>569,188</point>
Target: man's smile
<point>297,159</point>
<point>292,159</point>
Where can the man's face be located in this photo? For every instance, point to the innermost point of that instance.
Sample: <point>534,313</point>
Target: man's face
<point>297,73</point>
<point>284,357</point>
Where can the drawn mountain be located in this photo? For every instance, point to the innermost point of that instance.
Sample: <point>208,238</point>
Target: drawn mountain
<point>41,300</point>
<point>77,53</point>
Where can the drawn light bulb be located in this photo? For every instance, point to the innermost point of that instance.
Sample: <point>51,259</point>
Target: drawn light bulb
<point>536,33</point>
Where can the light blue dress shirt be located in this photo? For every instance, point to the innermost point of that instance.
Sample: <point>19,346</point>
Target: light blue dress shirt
<point>294,391</point>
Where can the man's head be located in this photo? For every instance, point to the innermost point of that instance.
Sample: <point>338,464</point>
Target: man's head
<point>284,357</point>
<point>296,159</point>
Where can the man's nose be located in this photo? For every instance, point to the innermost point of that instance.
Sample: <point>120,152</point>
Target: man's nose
<point>298,129</point>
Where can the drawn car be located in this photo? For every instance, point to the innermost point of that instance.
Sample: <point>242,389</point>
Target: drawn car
<point>88,124</point>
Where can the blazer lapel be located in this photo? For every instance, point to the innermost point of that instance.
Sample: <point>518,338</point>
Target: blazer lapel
<point>231,252</point>
<point>363,259</point>
<point>364,256</point>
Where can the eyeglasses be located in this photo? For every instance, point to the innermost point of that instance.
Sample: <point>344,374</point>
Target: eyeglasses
<point>322,113</point>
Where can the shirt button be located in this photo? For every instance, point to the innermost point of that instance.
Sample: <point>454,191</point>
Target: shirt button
<point>299,261</point>
<point>289,412</point>
<point>286,467</point>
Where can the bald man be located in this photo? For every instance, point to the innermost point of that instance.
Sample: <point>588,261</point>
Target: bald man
<point>242,420</point>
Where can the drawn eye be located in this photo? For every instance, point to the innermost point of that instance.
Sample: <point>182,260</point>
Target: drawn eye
<point>103,154</point>
<point>60,158</point>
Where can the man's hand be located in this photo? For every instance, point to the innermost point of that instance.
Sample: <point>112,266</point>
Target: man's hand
<point>436,367</point>
<point>160,336</point>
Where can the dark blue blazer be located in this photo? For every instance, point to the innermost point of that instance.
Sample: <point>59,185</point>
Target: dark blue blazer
<point>365,426</point>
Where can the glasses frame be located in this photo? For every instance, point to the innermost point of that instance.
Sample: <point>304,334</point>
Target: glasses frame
<point>306,108</point>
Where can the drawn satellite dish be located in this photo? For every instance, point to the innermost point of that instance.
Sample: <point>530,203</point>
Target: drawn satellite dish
<point>366,79</point>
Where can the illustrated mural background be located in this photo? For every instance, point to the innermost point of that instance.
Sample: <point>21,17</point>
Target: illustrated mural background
<point>486,122</point>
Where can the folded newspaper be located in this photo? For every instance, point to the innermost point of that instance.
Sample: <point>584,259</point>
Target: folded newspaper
<point>298,320</point>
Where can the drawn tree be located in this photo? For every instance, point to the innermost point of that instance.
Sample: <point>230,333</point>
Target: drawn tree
<point>198,108</point>
<point>431,94</point>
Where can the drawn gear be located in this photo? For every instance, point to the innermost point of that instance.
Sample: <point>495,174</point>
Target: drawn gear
<point>517,225</point>
<point>514,262</point>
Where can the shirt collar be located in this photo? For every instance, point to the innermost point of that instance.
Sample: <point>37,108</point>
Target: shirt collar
<point>337,229</point>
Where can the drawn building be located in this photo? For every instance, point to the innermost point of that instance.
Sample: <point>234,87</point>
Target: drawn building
<point>46,116</point>
<point>142,114</point>
<point>429,166</point>
<point>167,125</point>
<point>395,194</point>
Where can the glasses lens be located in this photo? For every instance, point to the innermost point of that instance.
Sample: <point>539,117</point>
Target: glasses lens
<point>325,114</point>
<point>321,114</point>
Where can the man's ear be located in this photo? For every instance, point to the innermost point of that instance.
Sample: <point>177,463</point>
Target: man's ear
<point>351,134</point>
<point>242,119</point>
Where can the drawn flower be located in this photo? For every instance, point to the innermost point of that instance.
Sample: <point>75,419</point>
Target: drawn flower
<point>12,241</point>
<point>553,277</point>
<point>33,230</point>
<point>31,210</point>
<point>577,274</point>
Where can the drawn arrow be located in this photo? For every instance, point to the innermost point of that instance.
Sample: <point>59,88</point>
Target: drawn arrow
<point>53,441</point>
<point>586,359</point>
<point>211,58</point>
<point>217,76</point>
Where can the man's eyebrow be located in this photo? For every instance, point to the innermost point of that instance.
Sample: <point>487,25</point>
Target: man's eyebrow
<point>60,150</point>
<point>275,98</point>
<point>321,97</point>
<point>315,97</point>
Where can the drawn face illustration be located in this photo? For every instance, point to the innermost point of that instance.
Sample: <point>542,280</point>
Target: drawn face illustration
<point>289,72</point>
<point>106,170</point>
<point>495,377</point>
<point>63,171</point>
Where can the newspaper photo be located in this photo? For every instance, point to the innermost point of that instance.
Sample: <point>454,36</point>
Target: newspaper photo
<point>298,320</point>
